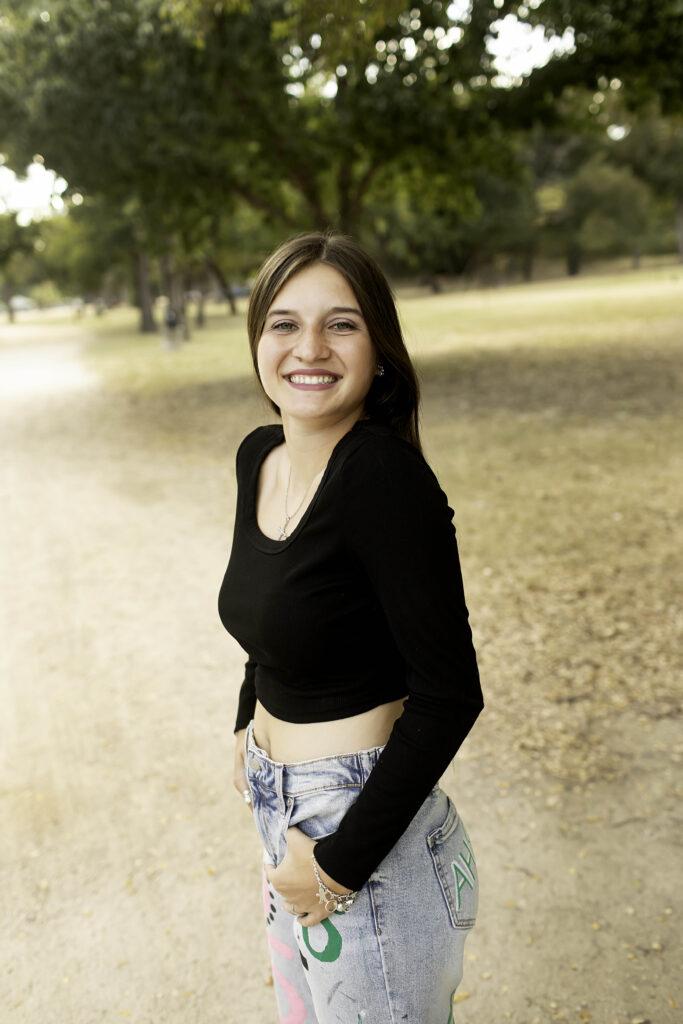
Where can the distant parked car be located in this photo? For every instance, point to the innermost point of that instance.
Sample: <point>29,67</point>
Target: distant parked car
<point>239,291</point>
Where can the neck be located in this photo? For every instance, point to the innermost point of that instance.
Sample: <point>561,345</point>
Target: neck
<point>310,444</point>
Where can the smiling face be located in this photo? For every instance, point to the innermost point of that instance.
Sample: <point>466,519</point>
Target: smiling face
<point>315,357</point>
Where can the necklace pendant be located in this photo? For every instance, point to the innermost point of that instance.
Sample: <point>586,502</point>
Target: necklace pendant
<point>283,528</point>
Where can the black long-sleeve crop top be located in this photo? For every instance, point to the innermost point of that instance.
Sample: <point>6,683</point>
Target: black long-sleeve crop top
<point>362,604</point>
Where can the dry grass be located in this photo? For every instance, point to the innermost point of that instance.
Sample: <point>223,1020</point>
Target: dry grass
<point>552,416</point>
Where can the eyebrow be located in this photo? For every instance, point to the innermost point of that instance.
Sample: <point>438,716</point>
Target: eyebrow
<point>335,309</point>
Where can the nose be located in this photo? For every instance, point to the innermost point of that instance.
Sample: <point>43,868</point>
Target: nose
<point>311,345</point>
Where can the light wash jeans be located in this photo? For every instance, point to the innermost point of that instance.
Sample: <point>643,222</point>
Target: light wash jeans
<point>396,955</point>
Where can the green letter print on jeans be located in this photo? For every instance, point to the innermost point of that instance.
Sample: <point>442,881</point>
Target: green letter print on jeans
<point>451,1018</point>
<point>464,868</point>
<point>333,946</point>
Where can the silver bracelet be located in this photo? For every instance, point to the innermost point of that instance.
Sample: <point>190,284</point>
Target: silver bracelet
<point>332,901</point>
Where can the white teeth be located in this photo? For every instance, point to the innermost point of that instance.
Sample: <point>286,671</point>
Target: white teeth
<point>307,378</point>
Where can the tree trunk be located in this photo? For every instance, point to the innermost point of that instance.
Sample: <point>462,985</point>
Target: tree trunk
<point>352,195</point>
<point>223,283</point>
<point>679,224</point>
<point>636,255</point>
<point>177,297</point>
<point>7,299</point>
<point>430,279</point>
<point>147,322</point>
<point>165,276</point>
<point>573,257</point>
<point>200,318</point>
<point>343,197</point>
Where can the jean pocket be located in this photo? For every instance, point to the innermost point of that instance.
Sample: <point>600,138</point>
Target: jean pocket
<point>318,813</point>
<point>451,852</point>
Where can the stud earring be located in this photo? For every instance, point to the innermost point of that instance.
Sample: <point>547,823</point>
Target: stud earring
<point>379,372</point>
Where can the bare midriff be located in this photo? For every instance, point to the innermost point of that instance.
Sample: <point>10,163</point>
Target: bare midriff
<point>290,741</point>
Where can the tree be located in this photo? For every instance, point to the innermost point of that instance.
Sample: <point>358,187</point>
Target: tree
<point>182,108</point>
<point>639,42</point>
<point>87,251</point>
<point>174,115</point>
<point>606,209</point>
<point>652,145</point>
<point>17,262</point>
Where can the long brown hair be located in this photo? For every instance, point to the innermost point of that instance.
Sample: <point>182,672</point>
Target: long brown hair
<point>394,398</point>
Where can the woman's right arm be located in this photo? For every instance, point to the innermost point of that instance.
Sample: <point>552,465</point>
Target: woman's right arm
<point>240,773</point>
<point>245,712</point>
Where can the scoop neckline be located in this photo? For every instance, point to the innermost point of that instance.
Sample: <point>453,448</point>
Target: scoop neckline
<point>260,539</point>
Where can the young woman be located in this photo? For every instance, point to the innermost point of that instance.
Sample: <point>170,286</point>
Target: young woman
<point>344,589</point>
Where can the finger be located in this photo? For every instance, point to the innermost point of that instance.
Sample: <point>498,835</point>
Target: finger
<point>240,783</point>
<point>245,793</point>
<point>308,920</point>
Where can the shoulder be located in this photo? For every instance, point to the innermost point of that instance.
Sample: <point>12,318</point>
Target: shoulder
<point>382,471</point>
<point>255,445</point>
<point>376,450</point>
<point>388,498</point>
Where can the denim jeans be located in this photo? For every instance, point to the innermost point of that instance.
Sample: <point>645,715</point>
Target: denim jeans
<point>396,955</point>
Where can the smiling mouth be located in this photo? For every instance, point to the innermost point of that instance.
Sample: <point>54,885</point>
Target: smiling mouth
<point>312,378</point>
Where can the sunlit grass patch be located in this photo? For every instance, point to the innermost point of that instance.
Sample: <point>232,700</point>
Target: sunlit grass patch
<point>622,309</point>
<point>130,361</point>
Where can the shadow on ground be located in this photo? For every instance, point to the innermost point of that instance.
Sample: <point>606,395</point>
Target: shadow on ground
<point>594,383</point>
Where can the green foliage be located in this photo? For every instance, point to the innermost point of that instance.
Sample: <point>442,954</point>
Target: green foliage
<point>46,293</point>
<point>202,131</point>
<point>606,211</point>
<point>295,109</point>
<point>637,41</point>
<point>84,251</point>
<point>653,147</point>
<point>18,259</point>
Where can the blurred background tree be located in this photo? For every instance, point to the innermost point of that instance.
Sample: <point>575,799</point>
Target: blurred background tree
<point>195,134</point>
<point>18,263</point>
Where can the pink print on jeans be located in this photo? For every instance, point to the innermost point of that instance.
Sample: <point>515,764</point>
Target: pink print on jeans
<point>280,947</point>
<point>297,1010</point>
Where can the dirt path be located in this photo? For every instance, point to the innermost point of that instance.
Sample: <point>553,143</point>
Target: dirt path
<point>125,855</point>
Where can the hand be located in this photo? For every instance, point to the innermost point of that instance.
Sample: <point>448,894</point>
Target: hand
<point>295,880</point>
<point>240,774</point>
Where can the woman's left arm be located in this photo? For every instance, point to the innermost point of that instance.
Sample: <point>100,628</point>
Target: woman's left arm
<point>398,524</point>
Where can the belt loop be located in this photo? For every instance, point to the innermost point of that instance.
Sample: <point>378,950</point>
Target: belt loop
<point>279,779</point>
